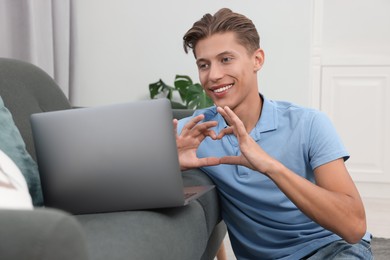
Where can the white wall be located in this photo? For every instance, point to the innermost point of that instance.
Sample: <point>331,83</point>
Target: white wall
<point>121,46</point>
<point>356,32</point>
<point>354,85</point>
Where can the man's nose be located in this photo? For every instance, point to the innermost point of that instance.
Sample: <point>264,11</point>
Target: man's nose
<point>216,72</point>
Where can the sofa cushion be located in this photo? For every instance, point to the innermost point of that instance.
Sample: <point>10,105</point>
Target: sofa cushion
<point>171,233</point>
<point>153,232</point>
<point>12,144</point>
<point>209,201</point>
<point>41,234</point>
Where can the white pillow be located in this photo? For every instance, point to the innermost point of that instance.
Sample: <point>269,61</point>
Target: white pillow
<point>14,192</point>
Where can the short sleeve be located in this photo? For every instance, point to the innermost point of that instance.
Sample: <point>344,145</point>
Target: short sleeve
<point>325,144</point>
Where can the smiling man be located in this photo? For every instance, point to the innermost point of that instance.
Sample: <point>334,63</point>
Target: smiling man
<point>279,168</point>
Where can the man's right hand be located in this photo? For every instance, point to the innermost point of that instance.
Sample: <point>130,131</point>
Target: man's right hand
<point>191,136</point>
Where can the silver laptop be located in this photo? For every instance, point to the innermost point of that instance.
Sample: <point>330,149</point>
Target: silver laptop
<point>110,158</point>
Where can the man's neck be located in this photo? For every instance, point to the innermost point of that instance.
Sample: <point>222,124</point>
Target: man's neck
<point>250,112</point>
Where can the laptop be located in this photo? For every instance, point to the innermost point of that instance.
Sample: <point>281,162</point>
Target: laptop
<point>110,158</point>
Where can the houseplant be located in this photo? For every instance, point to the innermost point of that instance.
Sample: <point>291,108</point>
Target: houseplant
<point>191,95</point>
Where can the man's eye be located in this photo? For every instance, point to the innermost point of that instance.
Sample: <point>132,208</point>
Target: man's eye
<point>226,59</point>
<point>203,66</point>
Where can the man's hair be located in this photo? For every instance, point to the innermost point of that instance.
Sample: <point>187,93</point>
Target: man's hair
<point>223,21</point>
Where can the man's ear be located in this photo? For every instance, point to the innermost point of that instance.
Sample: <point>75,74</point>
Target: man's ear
<point>258,59</point>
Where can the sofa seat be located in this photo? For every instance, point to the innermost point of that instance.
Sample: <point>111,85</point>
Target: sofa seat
<point>172,233</point>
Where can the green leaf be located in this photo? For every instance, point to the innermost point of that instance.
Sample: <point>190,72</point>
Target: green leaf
<point>193,96</point>
<point>181,84</point>
<point>197,98</point>
<point>160,87</point>
<point>176,105</point>
<point>184,78</point>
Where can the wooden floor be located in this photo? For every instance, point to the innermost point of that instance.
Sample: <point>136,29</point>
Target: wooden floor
<point>378,221</point>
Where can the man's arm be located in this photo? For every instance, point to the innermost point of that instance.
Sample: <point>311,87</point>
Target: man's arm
<point>333,202</point>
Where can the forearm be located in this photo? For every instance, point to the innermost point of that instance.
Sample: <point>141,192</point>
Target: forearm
<point>339,212</point>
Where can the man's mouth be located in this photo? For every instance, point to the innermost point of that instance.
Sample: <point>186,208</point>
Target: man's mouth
<point>219,90</point>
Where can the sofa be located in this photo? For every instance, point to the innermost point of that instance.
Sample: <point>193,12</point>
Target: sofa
<point>191,232</point>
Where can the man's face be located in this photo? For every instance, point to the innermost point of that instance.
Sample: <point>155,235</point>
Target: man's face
<point>227,72</point>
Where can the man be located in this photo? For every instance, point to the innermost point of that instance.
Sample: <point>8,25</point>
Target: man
<point>279,168</point>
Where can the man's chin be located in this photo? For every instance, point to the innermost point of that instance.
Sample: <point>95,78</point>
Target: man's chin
<point>218,104</point>
<point>221,104</point>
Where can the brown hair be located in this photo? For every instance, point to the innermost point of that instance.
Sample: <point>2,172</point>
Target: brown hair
<point>223,21</point>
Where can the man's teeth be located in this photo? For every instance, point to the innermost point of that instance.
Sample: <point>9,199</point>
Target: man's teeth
<point>218,90</point>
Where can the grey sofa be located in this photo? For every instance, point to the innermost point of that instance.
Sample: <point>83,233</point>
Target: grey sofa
<point>191,232</point>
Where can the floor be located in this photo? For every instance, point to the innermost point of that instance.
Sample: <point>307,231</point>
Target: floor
<point>378,216</point>
<point>378,221</point>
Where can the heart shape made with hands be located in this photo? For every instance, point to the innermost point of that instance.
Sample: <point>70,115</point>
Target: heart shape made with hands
<point>195,131</point>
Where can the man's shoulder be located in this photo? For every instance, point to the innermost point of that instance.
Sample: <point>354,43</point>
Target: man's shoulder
<point>290,106</point>
<point>291,114</point>
<point>293,109</point>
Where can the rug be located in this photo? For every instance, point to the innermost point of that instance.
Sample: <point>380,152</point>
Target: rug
<point>380,248</point>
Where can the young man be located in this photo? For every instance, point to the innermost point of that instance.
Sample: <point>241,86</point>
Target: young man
<point>279,168</point>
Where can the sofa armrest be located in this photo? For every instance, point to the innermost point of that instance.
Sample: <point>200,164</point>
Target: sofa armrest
<point>40,234</point>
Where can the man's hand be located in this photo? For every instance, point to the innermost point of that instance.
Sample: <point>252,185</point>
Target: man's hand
<point>192,134</point>
<point>252,155</point>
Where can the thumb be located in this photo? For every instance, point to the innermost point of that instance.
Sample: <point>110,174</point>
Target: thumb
<point>230,160</point>
<point>175,122</point>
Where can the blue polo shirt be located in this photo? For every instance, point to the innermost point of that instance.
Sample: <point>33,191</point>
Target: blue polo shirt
<point>262,222</point>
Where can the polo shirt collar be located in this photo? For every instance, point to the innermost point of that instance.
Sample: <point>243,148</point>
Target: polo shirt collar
<point>268,119</point>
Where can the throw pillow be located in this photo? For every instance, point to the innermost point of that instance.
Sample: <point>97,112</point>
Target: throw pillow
<point>12,144</point>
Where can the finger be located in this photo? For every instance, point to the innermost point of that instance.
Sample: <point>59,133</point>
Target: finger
<point>204,128</point>
<point>231,115</point>
<point>175,122</point>
<point>236,160</point>
<point>208,161</point>
<point>225,131</point>
<point>235,121</point>
<point>211,134</point>
<point>196,129</point>
<point>192,123</point>
<point>224,115</point>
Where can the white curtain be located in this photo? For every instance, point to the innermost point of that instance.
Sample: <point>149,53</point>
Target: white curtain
<point>39,32</point>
